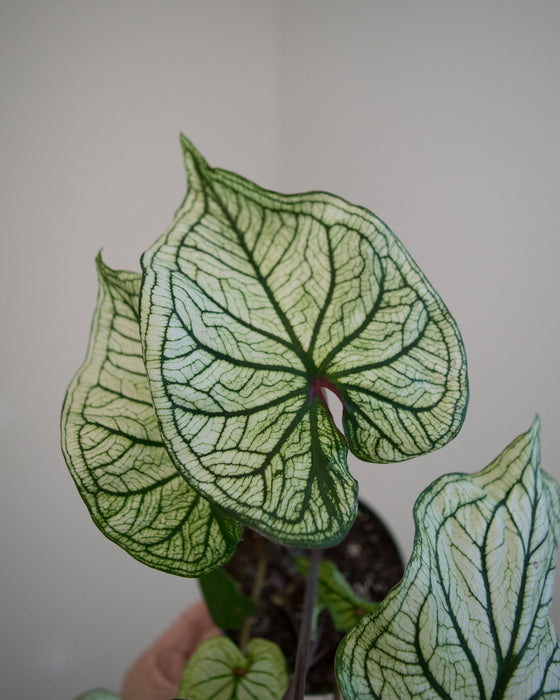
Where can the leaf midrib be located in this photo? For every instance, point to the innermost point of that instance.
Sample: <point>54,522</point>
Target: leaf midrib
<point>235,360</point>
<point>238,319</point>
<point>297,346</point>
<point>511,660</point>
<point>463,642</point>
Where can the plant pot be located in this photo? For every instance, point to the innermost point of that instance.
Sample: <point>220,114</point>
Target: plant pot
<point>368,558</point>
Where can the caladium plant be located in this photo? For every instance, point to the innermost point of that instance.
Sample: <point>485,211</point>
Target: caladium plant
<point>200,408</point>
<point>251,303</point>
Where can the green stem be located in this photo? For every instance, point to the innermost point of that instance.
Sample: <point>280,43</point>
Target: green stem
<point>296,690</point>
<point>255,595</point>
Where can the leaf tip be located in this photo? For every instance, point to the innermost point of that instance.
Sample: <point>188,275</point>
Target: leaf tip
<point>186,143</point>
<point>100,265</point>
<point>192,158</point>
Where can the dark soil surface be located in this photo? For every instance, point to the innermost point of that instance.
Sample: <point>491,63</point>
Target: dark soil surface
<point>369,560</point>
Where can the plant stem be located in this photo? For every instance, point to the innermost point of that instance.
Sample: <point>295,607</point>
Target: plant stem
<point>255,595</point>
<point>297,686</point>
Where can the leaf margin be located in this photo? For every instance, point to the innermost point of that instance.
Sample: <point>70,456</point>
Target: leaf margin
<point>72,421</point>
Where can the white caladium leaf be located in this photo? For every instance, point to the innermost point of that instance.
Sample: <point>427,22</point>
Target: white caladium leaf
<point>470,617</point>
<point>114,449</point>
<point>218,670</point>
<point>99,694</point>
<point>251,303</point>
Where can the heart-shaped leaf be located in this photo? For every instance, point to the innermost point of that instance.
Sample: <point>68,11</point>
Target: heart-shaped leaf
<point>114,449</point>
<point>470,617</point>
<point>219,671</point>
<point>252,302</point>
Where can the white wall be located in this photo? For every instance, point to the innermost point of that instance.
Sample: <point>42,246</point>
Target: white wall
<point>94,96</point>
<point>441,117</point>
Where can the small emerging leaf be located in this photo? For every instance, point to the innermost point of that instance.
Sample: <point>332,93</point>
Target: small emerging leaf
<point>227,606</point>
<point>336,595</point>
<point>115,453</point>
<point>219,671</point>
<point>251,303</point>
<point>470,618</point>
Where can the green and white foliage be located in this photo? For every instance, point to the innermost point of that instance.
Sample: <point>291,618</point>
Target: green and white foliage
<point>99,694</point>
<point>251,303</point>
<point>470,617</point>
<point>114,449</point>
<point>218,670</point>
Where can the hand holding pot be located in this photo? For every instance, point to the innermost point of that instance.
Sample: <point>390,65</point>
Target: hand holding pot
<point>156,674</point>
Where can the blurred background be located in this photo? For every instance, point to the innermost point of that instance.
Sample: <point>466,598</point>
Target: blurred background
<point>442,117</point>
